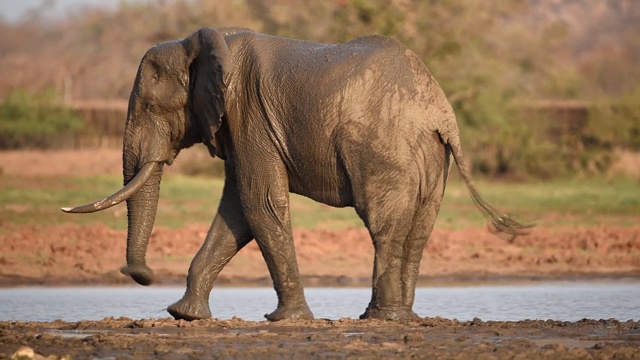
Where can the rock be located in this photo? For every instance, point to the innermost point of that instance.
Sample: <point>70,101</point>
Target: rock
<point>25,353</point>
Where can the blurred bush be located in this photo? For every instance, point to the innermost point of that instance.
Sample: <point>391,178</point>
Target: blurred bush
<point>36,121</point>
<point>488,56</point>
<point>206,167</point>
<point>615,123</point>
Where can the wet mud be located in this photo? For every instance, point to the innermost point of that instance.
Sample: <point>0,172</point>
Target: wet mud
<point>433,338</point>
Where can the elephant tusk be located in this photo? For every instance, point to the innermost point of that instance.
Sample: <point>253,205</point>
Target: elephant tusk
<point>134,185</point>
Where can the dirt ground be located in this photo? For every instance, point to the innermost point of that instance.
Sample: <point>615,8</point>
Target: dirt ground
<point>325,257</point>
<point>70,253</point>
<point>328,258</point>
<point>432,338</point>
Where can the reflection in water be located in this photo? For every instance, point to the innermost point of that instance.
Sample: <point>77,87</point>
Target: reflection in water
<point>566,301</point>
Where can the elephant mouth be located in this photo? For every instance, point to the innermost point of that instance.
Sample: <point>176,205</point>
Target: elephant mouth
<point>121,195</point>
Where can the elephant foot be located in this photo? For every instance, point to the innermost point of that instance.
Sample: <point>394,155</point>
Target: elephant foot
<point>141,273</point>
<point>189,310</point>
<point>392,313</point>
<point>300,312</point>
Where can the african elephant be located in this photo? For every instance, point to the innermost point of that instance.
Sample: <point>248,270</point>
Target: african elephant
<point>361,124</point>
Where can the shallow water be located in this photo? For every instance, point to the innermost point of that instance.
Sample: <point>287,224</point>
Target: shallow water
<point>566,301</point>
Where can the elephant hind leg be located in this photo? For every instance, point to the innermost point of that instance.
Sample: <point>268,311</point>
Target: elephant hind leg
<point>414,246</point>
<point>389,218</point>
<point>397,262</point>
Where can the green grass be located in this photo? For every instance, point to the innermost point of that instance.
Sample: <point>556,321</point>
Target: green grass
<point>183,200</point>
<point>556,202</point>
<point>186,200</point>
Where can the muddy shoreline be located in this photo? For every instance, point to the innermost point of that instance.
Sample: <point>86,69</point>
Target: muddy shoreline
<point>346,338</point>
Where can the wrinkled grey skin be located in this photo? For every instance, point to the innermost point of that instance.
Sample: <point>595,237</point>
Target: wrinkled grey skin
<point>361,124</point>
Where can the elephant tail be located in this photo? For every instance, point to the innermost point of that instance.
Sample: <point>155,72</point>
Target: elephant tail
<point>499,223</point>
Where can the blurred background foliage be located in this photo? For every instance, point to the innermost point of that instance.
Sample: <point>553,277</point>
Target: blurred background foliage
<point>36,121</point>
<point>541,88</point>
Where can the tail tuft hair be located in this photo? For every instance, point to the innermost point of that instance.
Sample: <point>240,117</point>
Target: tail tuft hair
<point>500,224</point>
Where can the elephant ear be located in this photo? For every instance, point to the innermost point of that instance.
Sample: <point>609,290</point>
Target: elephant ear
<point>209,54</point>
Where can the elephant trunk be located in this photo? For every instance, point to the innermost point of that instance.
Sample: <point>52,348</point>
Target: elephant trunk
<point>141,214</point>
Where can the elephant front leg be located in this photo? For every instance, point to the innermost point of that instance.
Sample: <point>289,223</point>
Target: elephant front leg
<point>267,211</point>
<point>275,241</point>
<point>228,234</point>
<point>278,252</point>
<point>218,249</point>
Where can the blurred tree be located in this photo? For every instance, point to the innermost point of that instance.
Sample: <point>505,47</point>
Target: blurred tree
<point>488,56</point>
<point>38,121</point>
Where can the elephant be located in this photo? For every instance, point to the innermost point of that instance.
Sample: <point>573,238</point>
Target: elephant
<point>360,124</point>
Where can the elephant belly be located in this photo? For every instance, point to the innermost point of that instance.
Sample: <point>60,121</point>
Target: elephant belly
<point>332,189</point>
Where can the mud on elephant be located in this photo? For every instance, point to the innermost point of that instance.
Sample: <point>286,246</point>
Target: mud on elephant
<point>361,124</point>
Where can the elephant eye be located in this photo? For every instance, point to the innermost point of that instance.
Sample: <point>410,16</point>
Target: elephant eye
<point>150,107</point>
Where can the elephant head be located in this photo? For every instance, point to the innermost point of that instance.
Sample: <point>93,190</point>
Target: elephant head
<point>177,100</point>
